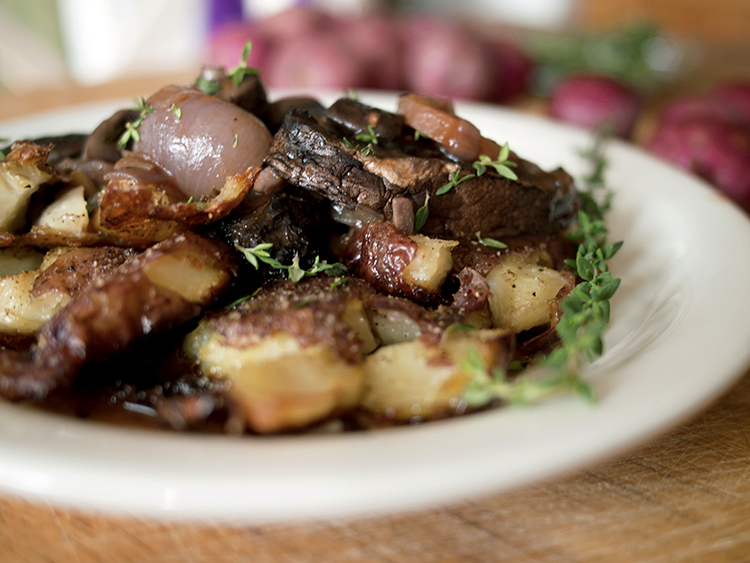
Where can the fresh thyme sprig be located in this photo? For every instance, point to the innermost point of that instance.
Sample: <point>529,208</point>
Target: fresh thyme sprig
<point>296,273</point>
<point>586,311</point>
<point>501,165</point>
<point>131,127</point>
<point>238,73</point>
<point>420,217</point>
<point>259,254</point>
<point>485,387</point>
<point>455,180</point>
<point>207,86</point>
<point>490,242</point>
<point>596,199</point>
<point>369,137</point>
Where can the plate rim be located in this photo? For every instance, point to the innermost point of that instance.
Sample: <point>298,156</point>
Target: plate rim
<point>325,492</point>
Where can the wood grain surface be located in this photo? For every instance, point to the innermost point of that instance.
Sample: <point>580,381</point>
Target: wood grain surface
<point>683,497</point>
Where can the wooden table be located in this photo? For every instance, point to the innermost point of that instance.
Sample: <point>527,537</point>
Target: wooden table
<point>683,497</point>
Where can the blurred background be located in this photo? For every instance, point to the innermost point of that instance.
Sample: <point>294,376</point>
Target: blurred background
<point>94,41</point>
<point>674,75</point>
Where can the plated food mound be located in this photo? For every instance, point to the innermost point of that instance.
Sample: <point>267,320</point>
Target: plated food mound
<point>216,261</point>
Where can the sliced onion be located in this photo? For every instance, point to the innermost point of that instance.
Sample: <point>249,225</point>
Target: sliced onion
<point>435,119</point>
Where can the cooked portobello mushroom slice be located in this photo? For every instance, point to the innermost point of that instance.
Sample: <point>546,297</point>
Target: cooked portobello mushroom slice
<point>330,155</point>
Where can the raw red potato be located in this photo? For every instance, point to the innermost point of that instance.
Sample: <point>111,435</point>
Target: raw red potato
<point>376,42</point>
<point>592,101</point>
<point>431,56</point>
<point>443,59</point>
<point>512,68</point>
<point>710,136</point>
<point>317,61</point>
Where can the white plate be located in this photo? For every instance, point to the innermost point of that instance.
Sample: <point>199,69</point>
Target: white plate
<point>680,336</point>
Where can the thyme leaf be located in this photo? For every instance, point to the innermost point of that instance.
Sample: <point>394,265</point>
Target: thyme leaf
<point>206,86</point>
<point>501,165</point>
<point>239,72</point>
<point>490,242</point>
<point>420,217</point>
<point>369,137</point>
<point>131,127</point>
<point>259,254</point>
<point>455,180</point>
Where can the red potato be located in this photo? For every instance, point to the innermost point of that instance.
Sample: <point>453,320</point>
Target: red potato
<point>710,136</point>
<point>227,42</point>
<point>728,102</point>
<point>511,70</point>
<point>375,40</point>
<point>719,151</point>
<point>316,61</point>
<point>736,96</point>
<point>594,100</point>
<point>296,23</point>
<point>699,107</point>
<point>442,59</point>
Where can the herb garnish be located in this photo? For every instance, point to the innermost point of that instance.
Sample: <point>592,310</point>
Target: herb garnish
<point>490,242</point>
<point>454,182</point>
<point>241,300</point>
<point>235,141</point>
<point>420,217</point>
<point>259,253</point>
<point>501,165</point>
<point>177,111</point>
<point>207,86</point>
<point>339,282</point>
<point>369,137</point>
<point>131,127</point>
<point>238,73</point>
<point>586,312</point>
<point>296,273</point>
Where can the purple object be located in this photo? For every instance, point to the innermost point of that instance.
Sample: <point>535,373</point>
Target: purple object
<point>594,100</point>
<point>221,12</point>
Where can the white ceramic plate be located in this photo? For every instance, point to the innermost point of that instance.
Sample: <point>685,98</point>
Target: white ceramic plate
<point>680,336</point>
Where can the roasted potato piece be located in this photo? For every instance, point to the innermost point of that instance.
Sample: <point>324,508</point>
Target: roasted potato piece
<point>292,353</point>
<point>67,213</point>
<point>525,294</point>
<point>422,380</point>
<point>414,267</point>
<point>431,264</point>
<point>146,296</point>
<point>21,174</point>
<point>16,260</point>
<point>32,297</point>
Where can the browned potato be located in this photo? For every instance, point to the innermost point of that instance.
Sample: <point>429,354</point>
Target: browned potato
<point>525,294</point>
<point>21,174</point>
<point>422,379</point>
<point>292,354</point>
<point>414,266</point>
